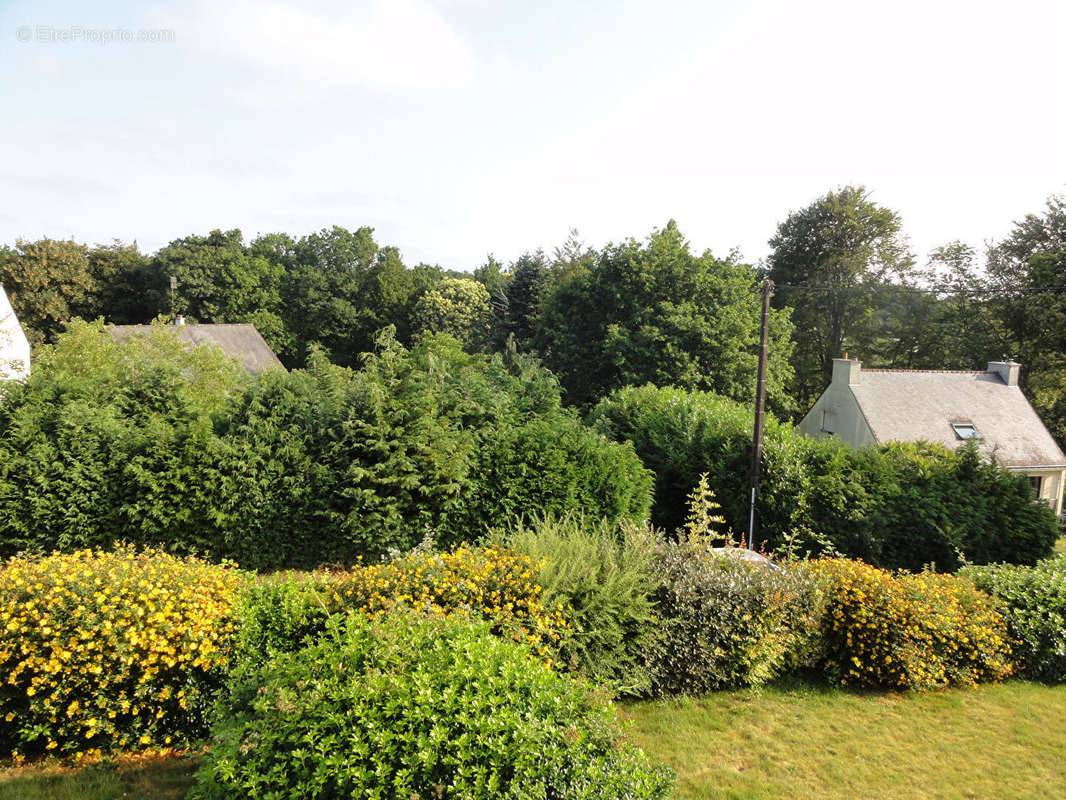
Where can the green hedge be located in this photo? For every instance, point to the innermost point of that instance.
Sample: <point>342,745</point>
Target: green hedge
<point>149,443</point>
<point>1034,599</point>
<point>896,505</point>
<point>407,707</point>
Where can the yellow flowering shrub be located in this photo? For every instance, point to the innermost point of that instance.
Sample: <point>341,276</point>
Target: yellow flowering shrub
<point>909,631</point>
<point>491,583</point>
<point>103,650</point>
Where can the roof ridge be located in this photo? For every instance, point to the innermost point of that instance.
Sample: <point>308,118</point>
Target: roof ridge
<point>938,371</point>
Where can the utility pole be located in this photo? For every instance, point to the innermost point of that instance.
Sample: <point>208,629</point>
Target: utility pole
<point>760,402</point>
<point>173,296</point>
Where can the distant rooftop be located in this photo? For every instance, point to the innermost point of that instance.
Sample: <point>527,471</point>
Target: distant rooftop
<point>948,407</point>
<point>241,341</point>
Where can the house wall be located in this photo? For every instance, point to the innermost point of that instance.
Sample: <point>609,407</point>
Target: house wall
<point>838,407</point>
<point>14,347</point>
<point>1051,486</point>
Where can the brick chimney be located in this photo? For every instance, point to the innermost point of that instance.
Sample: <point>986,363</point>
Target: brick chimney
<point>846,370</point>
<point>1008,371</point>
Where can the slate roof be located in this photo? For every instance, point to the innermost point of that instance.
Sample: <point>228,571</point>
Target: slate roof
<point>242,341</point>
<point>908,405</point>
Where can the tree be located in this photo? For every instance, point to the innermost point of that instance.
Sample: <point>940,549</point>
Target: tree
<point>45,281</point>
<point>341,289</point>
<point>655,312</point>
<point>456,306</point>
<point>522,300</point>
<point>850,248</point>
<point>123,287</point>
<point>220,281</point>
<point>1028,272</point>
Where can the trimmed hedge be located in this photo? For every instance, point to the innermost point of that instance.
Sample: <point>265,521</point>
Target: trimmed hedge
<point>144,441</point>
<point>408,707</point>
<point>281,614</point>
<point>896,506</point>
<point>1035,606</point>
<point>909,631</point>
<point>110,650</point>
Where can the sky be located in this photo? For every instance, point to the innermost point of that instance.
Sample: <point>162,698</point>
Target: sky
<point>459,128</point>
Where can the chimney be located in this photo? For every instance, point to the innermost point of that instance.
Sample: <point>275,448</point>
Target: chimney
<point>846,370</point>
<point>179,319</point>
<point>1008,371</point>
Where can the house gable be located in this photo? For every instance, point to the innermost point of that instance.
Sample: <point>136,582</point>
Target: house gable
<point>14,346</point>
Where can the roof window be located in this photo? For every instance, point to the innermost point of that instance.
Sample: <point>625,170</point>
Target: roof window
<point>966,430</point>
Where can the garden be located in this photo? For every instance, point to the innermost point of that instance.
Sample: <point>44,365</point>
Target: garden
<point>429,578</point>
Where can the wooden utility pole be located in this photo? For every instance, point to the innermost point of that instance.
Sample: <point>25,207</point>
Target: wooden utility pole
<point>760,403</point>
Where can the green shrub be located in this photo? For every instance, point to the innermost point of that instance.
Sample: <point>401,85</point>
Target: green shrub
<point>603,576</point>
<point>284,613</point>
<point>281,614</point>
<point>404,707</point>
<point>110,650</point>
<point>181,450</point>
<point>909,631</point>
<point>895,505</point>
<point>725,622</point>
<point>1035,608</point>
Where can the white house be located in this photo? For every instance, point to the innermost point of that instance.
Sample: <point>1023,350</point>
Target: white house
<point>868,406</point>
<point>14,347</point>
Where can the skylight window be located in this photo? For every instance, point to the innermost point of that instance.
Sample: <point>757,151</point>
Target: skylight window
<point>966,430</point>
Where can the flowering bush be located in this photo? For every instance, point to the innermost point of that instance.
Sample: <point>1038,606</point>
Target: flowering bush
<point>494,584</point>
<point>490,583</point>
<point>409,707</point>
<point>909,631</point>
<point>101,650</point>
<point>1035,599</point>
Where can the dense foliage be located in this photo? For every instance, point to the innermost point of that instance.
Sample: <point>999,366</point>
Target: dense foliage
<point>656,312</point>
<point>894,505</point>
<point>147,442</point>
<point>1035,606</point>
<point>726,622</point>
<point>408,707</point>
<point>108,650</point>
<point>279,614</point>
<point>603,577</point>
<point>910,631</point>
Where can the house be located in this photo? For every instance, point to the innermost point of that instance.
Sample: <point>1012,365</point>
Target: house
<point>869,406</point>
<point>14,347</point>
<point>241,341</point>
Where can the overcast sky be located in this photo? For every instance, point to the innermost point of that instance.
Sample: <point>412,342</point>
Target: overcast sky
<point>461,127</point>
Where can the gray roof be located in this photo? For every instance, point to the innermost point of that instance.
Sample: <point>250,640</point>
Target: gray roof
<point>242,341</point>
<point>908,405</point>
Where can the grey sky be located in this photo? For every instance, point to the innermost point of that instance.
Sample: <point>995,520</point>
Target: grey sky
<point>462,127</point>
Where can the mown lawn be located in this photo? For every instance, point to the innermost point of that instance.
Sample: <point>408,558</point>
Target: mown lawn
<point>798,740</point>
<point>788,740</point>
<point>142,778</point>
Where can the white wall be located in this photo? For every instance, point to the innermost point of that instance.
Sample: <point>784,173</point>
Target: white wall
<point>836,413</point>
<point>14,348</point>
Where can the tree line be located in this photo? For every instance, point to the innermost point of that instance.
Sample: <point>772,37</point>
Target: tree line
<point>639,311</point>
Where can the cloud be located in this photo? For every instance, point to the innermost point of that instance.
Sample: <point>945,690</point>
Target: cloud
<point>380,44</point>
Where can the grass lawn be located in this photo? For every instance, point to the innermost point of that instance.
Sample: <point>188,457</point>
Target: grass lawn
<point>798,740</point>
<point>143,778</point>
<point>789,740</point>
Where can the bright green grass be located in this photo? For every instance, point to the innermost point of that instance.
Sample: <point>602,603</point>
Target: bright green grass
<point>792,740</point>
<point>797,740</point>
<point>156,779</point>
